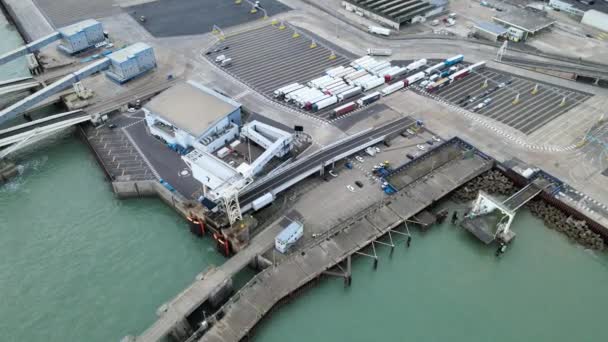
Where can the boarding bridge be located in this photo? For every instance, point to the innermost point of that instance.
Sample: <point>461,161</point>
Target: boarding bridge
<point>490,219</point>
<point>276,142</point>
<point>17,84</point>
<point>20,106</point>
<point>32,47</point>
<point>20,136</point>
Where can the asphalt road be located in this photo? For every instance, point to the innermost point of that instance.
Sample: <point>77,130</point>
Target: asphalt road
<point>316,159</point>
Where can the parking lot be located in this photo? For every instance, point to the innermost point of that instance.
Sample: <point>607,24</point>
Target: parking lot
<point>496,100</point>
<point>163,18</point>
<point>268,58</point>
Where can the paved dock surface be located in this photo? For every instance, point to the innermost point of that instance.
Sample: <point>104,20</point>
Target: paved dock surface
<point>256,298</point>
<point>198,292</point>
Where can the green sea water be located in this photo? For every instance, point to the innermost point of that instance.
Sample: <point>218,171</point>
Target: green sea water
<point>449,287</point>
<point>76,264</point>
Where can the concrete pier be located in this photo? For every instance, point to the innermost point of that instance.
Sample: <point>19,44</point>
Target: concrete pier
<point>271,285</point>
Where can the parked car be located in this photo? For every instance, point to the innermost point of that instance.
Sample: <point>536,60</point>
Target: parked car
<point>420,147</point>
<point>359,184</point>
<point>359,159</point>
<point>332,173</point>
<point>409,156</point>
<point>436,139</point>
<point>350,188</point>
<point>430,142</point>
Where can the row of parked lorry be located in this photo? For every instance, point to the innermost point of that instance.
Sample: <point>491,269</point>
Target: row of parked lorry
<point>341,83</point>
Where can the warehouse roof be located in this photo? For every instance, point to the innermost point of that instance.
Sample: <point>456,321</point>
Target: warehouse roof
<point>527,20</point>
<point>128,52</point>
<point>191,107</point>
<point>77,27</point>
<point>492,28</point>
<point>398,11</point>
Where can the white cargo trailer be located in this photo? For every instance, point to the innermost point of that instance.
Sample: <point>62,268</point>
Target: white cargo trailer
<point>379,52</point>
<point>349,93</point>
<point>344,72</point>
<point>416,65</point>
<point>340,89</point>
<point>263,201</point>
<point>316,81</point>
<point>286,89</point>
<point>392,88</point>
<point>332,72</point>
<point>382,72</point>
<point>375,82</point>
<point>325,103</point>
<point>355,75</point>
<point>326,82</point>
<point>379,30</point>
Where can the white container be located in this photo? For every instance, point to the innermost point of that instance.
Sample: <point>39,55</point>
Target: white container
<point>416,65</point>
<point>234,144</point>
<point>325,103</point>
<point>349,93</point>
<point>392,88</point>
<point>223,152</point>
<point>379,30</point>
<point>263,201</point>
<point>379,52</point>
<point>376,82</point>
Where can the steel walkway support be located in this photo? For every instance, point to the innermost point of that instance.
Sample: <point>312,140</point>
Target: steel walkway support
<point>63,83</point>
<point>23,135</point>
<point>29,48</point>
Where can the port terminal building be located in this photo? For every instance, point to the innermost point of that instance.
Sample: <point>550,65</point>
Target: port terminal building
<point>525,21</point>
<point>394,13</point>
<point>192,115</point>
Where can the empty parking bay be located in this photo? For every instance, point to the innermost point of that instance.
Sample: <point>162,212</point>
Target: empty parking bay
<point>166,18</point>
<point>521,103</point>
<point>268,58</point>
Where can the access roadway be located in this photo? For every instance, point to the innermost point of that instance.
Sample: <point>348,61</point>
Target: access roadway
<point>292,174</point>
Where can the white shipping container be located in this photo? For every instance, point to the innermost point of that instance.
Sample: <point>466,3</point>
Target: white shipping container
<point>376,82</point>
<point>381,65</point>
<point>316,99</point>
<point>382,72</point>
<point>334,71</point>
<point>364,79</point>
<point>263,201</point>
<point>234,144</point>
<point>349,93</point>
<point>333,84</point>
<point>355,75</point>
<point>296,93</point>
<point>224,151</point>
<point>338,90</point>
<point>416,65</point>
<point>379,52</point>
<point>293,90</point>
<point>325,103</point>
<point>392,88</point>
<point>316,81</point>
<point>344,72</point>
<point>281,91</point>
<point>379,30</point>
<point>357,62</point>
<point>325,83</point>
